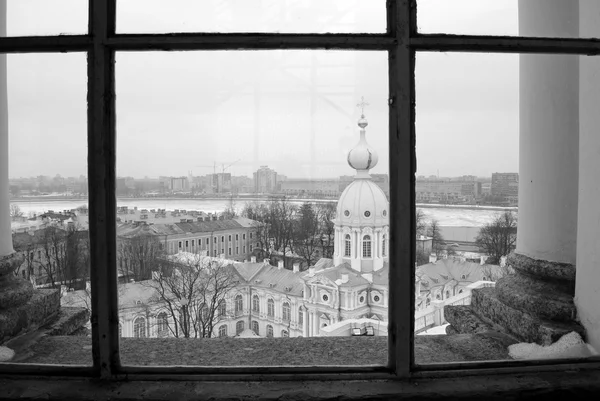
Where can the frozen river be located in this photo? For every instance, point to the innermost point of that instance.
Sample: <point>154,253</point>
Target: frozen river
<point>446,216</point>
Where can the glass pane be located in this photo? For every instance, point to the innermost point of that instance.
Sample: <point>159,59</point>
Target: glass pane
<point>47,209</point>
<point>229,184</point>
<point>556,18</point>
<point>46,17</point>
<point>276,16</point>
<point>504,144</point>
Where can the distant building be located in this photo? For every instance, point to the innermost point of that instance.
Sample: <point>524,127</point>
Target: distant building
<point>265,180</point>
<point>221,182</point>
<point>175,183</point>
<point>506,186</point>
<point>316,188</point>
<point>447,190</point>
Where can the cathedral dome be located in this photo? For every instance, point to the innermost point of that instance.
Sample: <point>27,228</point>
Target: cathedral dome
<point>363,203</point>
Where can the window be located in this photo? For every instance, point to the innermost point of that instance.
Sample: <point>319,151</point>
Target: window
<point>270,308</point>
<point>300,318</point>
<point>284,333</point>
<point>397,103</point>
<point>383,245</point>
<point>229,238</point>
<point>367,246</point>
<point>180,245</point>
<point>239,304</point>
<point>139,327</point>
<point>222,331</point>
<point>222,309</point>
<point>229,251</point>
<point>187,243</point>
<point>285,309</point>
<point>250,235</point>
<point>120,329</point>
<point>237,237</point>
<point>192,243</point>
<point>269,330</point>
<point>244,236</point>
<point>244,249</point>
<point>347,245</point>
<point>215,240</point>
<point>162,324</point>
<point>250,248</point>
<point>206,241</point>
<point>222,238</point>
<point>255,327</point>
<point>239,327</point>
<point>255,304</point>
<point>237,250</point>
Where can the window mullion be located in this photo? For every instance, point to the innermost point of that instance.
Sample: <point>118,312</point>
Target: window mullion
<point>102,199</point>
<point>401,24</point>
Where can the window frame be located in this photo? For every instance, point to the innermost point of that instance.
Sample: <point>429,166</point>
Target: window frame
<point>401,40</point>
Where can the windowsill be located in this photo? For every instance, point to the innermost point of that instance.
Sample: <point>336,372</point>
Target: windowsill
<point>311,351</point>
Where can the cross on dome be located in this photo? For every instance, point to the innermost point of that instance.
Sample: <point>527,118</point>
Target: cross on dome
<point>362,157</point>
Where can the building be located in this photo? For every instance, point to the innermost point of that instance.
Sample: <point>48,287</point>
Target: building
<point>506,187</point>
<point>175,184</point>
<point>265,180</point>
<point>310,187</point>
<point>447,190</point>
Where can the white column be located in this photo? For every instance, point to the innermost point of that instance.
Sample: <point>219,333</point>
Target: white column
<point>587,296</point>
<point>548,140</point>
<point>5,232</point>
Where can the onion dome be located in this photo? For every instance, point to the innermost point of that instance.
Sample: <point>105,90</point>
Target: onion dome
<point>362,157</point>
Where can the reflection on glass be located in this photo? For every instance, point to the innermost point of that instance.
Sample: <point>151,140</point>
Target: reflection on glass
<point>46,17</point>
<point>44,300</point>
<point>237,188</point>
<point>276,16</point>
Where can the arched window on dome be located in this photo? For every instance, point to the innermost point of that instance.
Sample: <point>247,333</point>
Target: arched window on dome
<point>367,246</point>
<point>347,245</point>
<point>383,245</point>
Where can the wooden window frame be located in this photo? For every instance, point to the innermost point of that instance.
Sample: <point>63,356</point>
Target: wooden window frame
<point>401,41</point>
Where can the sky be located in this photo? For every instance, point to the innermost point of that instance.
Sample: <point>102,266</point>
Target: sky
<point>295,111</point>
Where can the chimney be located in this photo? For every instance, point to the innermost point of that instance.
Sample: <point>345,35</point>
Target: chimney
<point>296,267</point>
<point>311,271</point>
<point>482,260</point>
<point>432,258</point>
<point>422,237</point>
<point>345,278</point>
<point>253,259</point>
<point>280,265</point>
<point>266,261</point>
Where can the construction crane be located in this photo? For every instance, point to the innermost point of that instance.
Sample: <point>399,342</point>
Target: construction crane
<point>215,182</point>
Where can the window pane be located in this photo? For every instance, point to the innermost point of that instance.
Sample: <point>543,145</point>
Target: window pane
<point>43,130</point>
<point>556,18</point>
<point>277,16</point>
<point>255,158</point>
<point>498,199</point>
<point>46,17</point>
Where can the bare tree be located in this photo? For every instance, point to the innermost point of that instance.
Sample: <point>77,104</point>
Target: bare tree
<point>138,254</point>
<point>194,292</point>
<point>230,211</point>
<point>420,222</point>
<point>307,239</point>
<point>498,237</point>
<point>437,240</point>
<point>15,211</point>
<point>325,214</point>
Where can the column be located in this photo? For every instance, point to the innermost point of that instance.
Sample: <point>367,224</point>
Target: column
<point>536,303</point>
<point>587,294</point>
<point>549,131</point>
<point>14,291</point>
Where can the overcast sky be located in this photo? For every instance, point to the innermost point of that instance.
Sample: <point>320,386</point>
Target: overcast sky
<point>292,110</point>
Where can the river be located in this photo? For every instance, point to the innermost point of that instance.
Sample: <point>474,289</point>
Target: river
<point>445,215</point>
